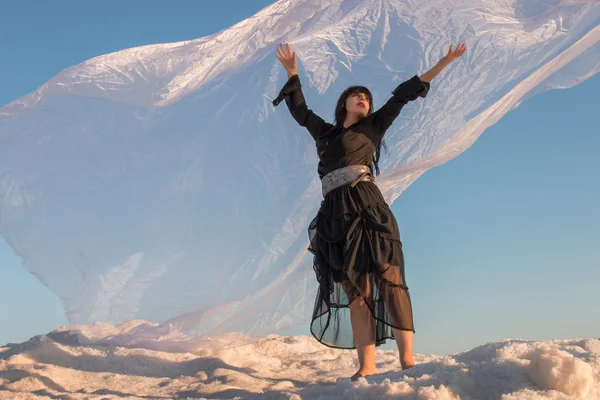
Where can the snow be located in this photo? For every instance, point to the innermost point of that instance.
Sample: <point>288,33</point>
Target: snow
<point>159,183</point>
<point>68,364</point>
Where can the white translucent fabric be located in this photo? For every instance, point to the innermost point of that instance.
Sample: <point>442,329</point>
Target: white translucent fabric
<point>160,184</point>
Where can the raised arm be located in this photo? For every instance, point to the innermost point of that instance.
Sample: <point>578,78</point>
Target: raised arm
<point>294,98</point>
<point>410,90</point>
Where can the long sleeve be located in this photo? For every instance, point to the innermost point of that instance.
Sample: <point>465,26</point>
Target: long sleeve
<point>407,91</point>
<point>294,98</point>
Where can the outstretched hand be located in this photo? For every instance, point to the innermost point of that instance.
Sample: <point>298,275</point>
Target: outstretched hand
<point>454,54</point>
<point>287,58</point>
<point>443,63</point>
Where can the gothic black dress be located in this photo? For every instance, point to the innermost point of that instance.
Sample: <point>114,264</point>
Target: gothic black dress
<point>355,237</point>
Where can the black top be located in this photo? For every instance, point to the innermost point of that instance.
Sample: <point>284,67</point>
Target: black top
<point>338,146</point>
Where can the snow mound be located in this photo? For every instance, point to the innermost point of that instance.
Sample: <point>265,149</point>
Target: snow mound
<point>159,183</point>
<point>295,368</point>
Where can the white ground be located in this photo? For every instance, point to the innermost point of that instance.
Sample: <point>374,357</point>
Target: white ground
<point>61,365</point>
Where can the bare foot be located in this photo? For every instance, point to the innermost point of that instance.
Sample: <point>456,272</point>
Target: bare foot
<point>407,361</point>
<point>363,372</point>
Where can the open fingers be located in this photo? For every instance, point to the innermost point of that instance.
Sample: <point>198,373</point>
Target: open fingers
<point>283,50</point>
<point>458,50</point>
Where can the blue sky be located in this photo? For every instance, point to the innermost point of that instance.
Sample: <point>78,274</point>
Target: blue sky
<point>500,242</point>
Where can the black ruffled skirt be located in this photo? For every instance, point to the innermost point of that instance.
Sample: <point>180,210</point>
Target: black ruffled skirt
<point>357,252</point>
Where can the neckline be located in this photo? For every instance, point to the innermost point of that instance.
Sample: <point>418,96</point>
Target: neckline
<point>350,126</point>
<point>343,129</point>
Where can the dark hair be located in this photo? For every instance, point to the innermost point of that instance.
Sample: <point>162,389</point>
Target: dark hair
<point>340,117</point>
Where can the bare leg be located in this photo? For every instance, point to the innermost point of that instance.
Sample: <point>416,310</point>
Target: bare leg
<point>363,328</point>
<point>404,341</point>
<point>397,300</point>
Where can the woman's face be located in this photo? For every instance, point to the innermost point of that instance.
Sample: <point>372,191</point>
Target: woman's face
<point>358,103</point>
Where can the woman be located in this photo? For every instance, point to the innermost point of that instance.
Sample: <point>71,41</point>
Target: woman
<point>355,239</point>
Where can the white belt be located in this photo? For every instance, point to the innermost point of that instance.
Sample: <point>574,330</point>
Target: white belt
<point>351,174</point>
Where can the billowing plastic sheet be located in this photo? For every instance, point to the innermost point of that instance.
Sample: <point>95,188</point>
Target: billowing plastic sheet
<point>160,184</point>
